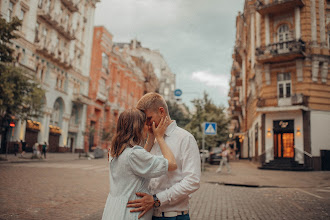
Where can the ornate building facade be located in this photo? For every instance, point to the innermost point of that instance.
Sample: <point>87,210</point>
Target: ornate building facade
<point>280,88</point>
<point>55,47</point>
<point>118,81</point>
<point>163,72</point>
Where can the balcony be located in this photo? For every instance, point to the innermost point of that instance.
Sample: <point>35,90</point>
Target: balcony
<point>58,23</point>
<point>279,52</point>
<point>299,99</point>
<point>278,6</point>
<point>274,101</point>
<point>101,97</point>
<point>72,5</point>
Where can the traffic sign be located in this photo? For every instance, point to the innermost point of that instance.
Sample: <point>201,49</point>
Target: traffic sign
<point>178,92</point>
<point>210,128</point>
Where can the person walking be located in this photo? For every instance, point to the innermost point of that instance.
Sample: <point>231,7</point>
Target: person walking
<point>23,145</point>
<point>132,166</point>
<point>170,193</point>
<point>16,146</point>
<point>224,160</point>
<point>44,149</point>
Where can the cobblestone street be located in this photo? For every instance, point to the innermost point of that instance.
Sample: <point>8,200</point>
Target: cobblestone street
<point>77,189</point>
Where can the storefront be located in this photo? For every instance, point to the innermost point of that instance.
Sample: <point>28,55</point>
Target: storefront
<point>283,138</point>
<point>54,138</point>
<point>31,134</point>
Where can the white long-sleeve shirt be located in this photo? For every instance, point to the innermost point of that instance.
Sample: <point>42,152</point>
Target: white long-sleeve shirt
<point>173,189</point>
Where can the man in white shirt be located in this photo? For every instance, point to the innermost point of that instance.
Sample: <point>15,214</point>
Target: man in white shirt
<point>170,192</point>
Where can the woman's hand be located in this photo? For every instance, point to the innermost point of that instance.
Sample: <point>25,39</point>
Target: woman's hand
<point>161,128</point>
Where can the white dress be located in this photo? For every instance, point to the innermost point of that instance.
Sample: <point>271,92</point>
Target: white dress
<point>131,173</point>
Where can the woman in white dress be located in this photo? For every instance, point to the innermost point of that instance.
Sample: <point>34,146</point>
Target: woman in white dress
<point>131,166</point>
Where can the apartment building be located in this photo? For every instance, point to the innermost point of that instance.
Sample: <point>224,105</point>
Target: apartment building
<point>163,72</point>
<point>118,81</point>
<point>279,96</point>
<point>55,47</point>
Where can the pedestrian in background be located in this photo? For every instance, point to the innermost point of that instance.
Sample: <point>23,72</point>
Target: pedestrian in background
<point>44,149</point>
<point>224,160</point>
<point>16,146</point>
<point>23,145</point>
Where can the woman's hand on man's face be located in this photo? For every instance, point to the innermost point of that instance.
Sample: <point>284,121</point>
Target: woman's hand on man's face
<point>159,131</point>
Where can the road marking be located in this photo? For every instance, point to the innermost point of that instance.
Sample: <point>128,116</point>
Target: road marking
<point>301,190</point>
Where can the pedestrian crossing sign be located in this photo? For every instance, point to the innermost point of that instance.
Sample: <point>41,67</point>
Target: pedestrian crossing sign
<point>210,128</point>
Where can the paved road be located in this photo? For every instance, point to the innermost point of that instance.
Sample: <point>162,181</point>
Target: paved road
<point>77,189</point>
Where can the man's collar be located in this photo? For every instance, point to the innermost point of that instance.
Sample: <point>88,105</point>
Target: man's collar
<point>170,128</point>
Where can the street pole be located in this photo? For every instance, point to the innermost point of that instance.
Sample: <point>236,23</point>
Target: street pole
<point>203,147</point>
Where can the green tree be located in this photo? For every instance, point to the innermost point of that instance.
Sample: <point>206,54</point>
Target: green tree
<point>20,95</point>
<point>206,111</point>
<point>179,113</point>
<point>7,33</point>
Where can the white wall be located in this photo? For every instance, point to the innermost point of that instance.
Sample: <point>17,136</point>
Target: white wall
<point>320,131</point>
<point>298,139</point>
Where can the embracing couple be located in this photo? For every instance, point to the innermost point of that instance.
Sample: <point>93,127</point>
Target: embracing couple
<point>151,179</point>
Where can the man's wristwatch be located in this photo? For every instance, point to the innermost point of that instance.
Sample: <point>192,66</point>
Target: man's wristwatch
<point>156,201</point>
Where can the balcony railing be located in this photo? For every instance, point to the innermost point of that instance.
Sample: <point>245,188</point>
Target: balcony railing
<point>277,6</point>
<point>281,51</point>
<point>52,18</point>
<point>295,99</point>
<point>72,5</point>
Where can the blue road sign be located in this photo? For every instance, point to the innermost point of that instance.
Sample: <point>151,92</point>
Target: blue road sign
<point>178,92</point>
<point>210,128</point>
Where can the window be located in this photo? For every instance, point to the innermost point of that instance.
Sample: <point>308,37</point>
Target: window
<point>10,11</point>
<point>102,88</point>
<point>284,85</point>
<point>56,114</point>
<point>36,37</point>
<point>105,60</point>
<point>283,35</point>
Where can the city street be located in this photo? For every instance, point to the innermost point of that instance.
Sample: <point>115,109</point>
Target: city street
<point>66,187</point>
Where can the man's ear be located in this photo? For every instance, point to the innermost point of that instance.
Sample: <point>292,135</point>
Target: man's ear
<point>162,111</point>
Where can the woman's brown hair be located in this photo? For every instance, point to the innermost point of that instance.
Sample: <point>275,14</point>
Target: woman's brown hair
<point>129,131</point>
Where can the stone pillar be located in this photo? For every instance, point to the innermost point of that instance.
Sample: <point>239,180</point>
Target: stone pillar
<point>267,29</point>
<point>17,130</point>
<point>82,126</point>
<point>322,24</point>
<point>252,40</point>
<point>313,23</point>
<point>258,29</point>
<point>64,128</point>
<point>267,74</point>
<point>297,23</point>
<point>315,69</point>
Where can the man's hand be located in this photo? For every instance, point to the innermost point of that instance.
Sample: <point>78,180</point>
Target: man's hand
<point>142,205</point>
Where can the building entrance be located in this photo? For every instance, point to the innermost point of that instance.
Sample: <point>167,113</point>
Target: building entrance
<point>284,139</point>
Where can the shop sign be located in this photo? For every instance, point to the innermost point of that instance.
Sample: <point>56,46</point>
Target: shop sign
<point>54,129</point>
<point>33,125</point>
<point>283,126</point>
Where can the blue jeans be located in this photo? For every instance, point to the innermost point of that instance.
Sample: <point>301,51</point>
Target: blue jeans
<point>179,217</point>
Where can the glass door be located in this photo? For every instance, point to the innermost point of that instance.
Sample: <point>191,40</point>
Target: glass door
<point>284,145</point>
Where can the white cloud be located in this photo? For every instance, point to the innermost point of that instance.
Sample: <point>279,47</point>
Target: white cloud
<point>211,79</point>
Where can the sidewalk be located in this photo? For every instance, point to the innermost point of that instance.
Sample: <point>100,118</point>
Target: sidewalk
<point>51,157</point>
<point>246,173</point>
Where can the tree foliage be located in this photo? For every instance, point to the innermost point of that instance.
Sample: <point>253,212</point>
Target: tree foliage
<point>179,113</point>
<point>20,96</point>
<point>206,111</point>
<point>6,35</point>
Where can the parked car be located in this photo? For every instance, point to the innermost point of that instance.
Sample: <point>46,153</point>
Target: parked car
<point>215,157</point>
<point>204,154</point>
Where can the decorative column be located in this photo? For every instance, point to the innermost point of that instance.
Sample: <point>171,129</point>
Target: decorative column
<point>267,29</point>
<point>81,130</point>
<point>313,23</point>
<point>297,23</point>
<point>322,23</point>
<point>299,67</point>
<point>64,128</point>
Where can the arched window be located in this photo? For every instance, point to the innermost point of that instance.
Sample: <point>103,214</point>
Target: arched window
<point>283,35</point>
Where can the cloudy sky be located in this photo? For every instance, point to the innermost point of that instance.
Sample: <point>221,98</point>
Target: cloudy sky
<point>196,38</point>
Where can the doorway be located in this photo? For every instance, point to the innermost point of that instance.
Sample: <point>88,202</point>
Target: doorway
<point>284,139</point>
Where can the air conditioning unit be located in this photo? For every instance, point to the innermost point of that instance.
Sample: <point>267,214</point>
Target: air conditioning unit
<point>297,99</point>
